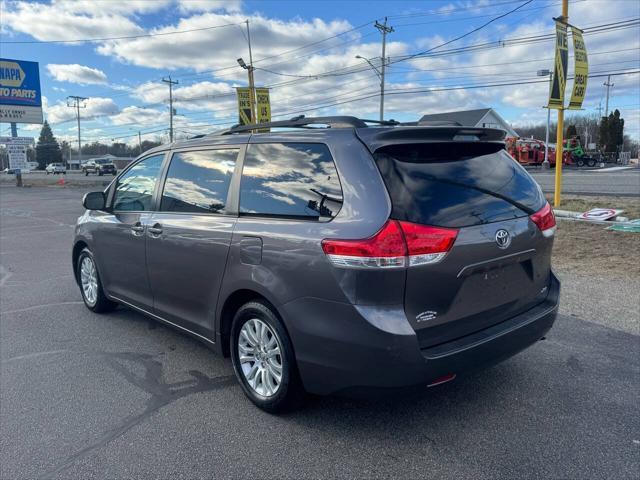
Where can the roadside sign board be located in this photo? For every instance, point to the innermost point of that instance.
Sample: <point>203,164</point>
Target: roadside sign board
<point>264,105</point>
<point>20,95</point>
<point>581,70</point>
<point>556,95</point>
<point>17,140</point>
<point>17,150</point>
<point>244,105</point>
<point>600,214</point>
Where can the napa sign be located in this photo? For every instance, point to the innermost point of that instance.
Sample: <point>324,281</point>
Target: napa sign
<point>20,97</point>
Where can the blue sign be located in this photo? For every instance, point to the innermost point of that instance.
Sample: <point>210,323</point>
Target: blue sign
<point>19,83</point>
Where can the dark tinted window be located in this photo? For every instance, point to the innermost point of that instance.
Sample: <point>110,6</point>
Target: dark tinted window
<point>292,179</point>
<point>198,181</point>
<point>134,190</point>
<point>456,184</point>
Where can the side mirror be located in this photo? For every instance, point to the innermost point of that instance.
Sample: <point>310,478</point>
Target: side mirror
<point>94,201</point>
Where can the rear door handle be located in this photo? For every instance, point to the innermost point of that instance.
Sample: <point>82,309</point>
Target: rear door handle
<point>137,229</point>
<point>156,230</point>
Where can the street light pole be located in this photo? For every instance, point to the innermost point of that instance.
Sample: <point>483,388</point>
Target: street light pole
<point>252,85</point>
<point>545,164</point>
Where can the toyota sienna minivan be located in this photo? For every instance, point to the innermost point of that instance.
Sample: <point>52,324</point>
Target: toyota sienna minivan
<point>327,255</point>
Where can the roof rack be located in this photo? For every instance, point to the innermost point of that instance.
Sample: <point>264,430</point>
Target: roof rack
<point>303,122</point>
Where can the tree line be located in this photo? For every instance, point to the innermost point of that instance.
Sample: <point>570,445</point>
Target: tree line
<point>50,150</point>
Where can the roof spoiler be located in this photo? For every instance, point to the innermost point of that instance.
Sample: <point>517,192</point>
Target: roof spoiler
<point>376,138</point>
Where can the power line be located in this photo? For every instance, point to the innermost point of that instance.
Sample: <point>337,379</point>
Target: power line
<point>416,90</point>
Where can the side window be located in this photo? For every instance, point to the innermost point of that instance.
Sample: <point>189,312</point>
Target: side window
<point>134,190</point>
<point>198,181</point>
<point>296,180</point>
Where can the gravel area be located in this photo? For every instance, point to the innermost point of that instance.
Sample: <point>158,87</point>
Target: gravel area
<point>600,273</point>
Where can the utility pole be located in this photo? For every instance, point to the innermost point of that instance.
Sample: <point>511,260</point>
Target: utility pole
<point>139,143</point>
<point>607,84</point>
<point>384,30</point>
<point>77,102</point>
<point>560,131</point>
<point>171,84</point>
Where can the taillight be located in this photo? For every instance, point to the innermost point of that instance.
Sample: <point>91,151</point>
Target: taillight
<point>386,249</point>
<point>545,220</point>
<point>396,245</point>
<point>427,244</point>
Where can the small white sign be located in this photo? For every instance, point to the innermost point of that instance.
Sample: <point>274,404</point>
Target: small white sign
<point>600,214</point>
<point>16,114</point>
<point>17,140</point>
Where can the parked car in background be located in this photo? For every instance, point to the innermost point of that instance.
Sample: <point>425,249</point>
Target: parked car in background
<point>99,166</point>
<point>56,168</point>
<point>339,259</point>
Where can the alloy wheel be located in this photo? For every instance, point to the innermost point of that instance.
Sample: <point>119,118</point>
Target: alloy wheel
<point>89,280</point>
<point>260,357</point>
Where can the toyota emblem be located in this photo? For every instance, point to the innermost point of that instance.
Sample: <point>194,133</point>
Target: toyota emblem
<point>503,239</point>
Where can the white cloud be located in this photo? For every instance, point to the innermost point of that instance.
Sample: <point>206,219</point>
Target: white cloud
<point>98,7</point>
<point>93,108</point>
<point>75,73</point>
<point>231,6</point>
<point>52,22</point>
<point>220,47</point>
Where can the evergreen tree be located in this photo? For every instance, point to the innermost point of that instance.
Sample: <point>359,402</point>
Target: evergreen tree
<point>603,133</point>
<point>47,149</point>
<point>616,131</point>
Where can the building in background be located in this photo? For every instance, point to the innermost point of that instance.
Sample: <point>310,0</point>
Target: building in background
<point>482,117</point>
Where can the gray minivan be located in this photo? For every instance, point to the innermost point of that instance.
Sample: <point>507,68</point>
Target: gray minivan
<point>329,257</point>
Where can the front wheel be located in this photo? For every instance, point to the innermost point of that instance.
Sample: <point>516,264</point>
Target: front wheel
<point>90,284</point>
<point>263,359</point>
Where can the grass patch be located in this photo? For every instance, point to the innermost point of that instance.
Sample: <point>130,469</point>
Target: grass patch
<point>630,205</point>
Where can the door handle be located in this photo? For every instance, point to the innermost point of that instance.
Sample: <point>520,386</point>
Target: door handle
<point>137,229</point>
<point>156,230</point>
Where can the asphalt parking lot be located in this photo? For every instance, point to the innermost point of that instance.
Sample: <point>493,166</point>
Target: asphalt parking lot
<point>120,396</point>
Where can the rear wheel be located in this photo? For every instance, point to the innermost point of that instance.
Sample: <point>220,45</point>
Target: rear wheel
<point>263,359</point>
<point>90,284</point>
<point>591,162</point>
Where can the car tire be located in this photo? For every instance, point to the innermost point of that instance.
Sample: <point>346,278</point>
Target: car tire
<point>100,173</point>
<point>288,394</point>
<point>94,297</point>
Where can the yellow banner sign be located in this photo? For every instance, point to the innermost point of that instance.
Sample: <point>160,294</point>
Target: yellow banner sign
<point>581,70</point>
<point>556,96</point>
<point>244,105</point>
<point>263,104</point>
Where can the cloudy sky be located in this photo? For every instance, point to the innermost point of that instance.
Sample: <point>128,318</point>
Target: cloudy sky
<point>305,52</point>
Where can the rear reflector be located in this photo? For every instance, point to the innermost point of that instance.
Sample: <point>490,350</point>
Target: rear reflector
<point>396,245</point>
<point>442,379</point>
<point>545,220</point>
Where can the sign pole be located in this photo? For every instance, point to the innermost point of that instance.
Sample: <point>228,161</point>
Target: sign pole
<point>560,131</point>
<point>14,134</point>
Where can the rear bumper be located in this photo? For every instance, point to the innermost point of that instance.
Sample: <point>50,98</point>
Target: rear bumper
<point>343,348</point>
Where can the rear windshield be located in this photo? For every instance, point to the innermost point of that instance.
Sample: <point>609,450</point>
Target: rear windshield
<point>456,184</point>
